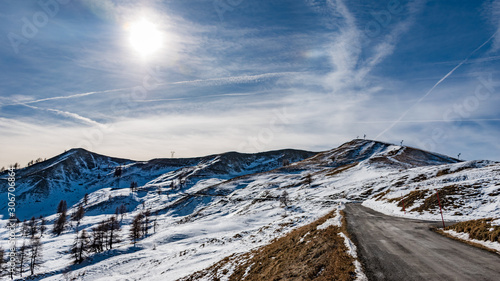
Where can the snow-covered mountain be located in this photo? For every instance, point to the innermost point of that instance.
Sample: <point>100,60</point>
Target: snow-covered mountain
<point>378,154</point>
<point>211,207</point>
<point>72,174</point>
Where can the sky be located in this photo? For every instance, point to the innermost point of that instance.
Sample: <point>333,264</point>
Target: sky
<point>143,79</point>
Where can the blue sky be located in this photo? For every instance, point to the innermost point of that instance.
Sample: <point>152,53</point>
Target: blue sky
<point>241,75</point>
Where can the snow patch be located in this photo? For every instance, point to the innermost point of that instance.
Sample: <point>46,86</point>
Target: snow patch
<point>351,250</point>
<point>336,221</point>
<point>465,236</point>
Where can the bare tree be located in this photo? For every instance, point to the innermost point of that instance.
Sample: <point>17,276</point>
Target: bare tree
<point>59,224</point>
<point>133,186</point>
<point>32,228</point>
<point>98,238</point>
<point>113,226</point>
<point>43,227</point>
<point>122,210</point>
<point>155,221</point>
<point>22,256</point>
<point>62,207</point>
<point>118,171</point>
<point>80,246</point>
<point>135,228</point>
<point>78,216</point>
<point>85,199</point>
<point>284,199</point>
<point>145,228</point>
<point>2,261</point>
<point>35,254</point>
<point>25,229</point>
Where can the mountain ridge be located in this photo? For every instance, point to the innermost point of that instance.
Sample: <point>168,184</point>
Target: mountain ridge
<point>80,171</point>
<point>208,208</point>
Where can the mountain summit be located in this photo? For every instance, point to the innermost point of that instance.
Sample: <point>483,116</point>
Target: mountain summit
<point>379,153</point>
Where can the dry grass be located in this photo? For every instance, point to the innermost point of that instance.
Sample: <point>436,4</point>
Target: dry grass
<point>443,172</point>
<point>381,195</point>
<point>448,171</point>
<point>409,199</point>
<point>450,196</point>
<point>440,231</point>
<point>446,196</point>
<point>495,193</point>
<point>400,182</point>
<point>304,254</point>
<point>419,178</point>
<point>478,229</point>
<point>340,169</point>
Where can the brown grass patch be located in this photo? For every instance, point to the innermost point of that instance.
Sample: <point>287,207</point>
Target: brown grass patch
<point>478,229</point>
<point>495,193</point>
<point>419,178</point>
<point>440,231</point>
<point>304,254</point>
<point>451,197</point>
<point>443,172</point>
<point>409,199</point>
<point>445,196</point>
<point>400,182</point>
<point>379,196</point>
<point>340,169</point>
<point>448,171</point>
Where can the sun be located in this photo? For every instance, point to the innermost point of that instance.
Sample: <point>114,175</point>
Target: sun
<point>145,37</point>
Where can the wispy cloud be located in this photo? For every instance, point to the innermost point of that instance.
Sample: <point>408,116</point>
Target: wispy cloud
<point>218,83</point>
<point>353,54</point>
<point>492,11</point>
<point>198,82</point>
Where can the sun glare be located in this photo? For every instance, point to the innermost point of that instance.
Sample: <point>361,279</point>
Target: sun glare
<point>145,37</point>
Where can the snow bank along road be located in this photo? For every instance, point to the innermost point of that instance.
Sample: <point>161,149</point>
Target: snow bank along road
<point>394,248</point>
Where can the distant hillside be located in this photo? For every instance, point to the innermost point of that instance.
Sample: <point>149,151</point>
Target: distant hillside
<point>72,174</point>
<point>208,208</point>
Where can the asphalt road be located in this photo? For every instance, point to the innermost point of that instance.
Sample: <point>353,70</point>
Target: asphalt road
<point>392,248</point>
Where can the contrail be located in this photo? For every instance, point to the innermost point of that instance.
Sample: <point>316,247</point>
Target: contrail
<point>435,85</point>
<point>208,82</point>
<point>68,114</point>
<point>68,97</point>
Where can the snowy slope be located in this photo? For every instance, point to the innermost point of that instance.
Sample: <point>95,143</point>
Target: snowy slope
<point>467,190</point>
<point>229,203</point>
<point>71,175</point>
<point>378,154</point>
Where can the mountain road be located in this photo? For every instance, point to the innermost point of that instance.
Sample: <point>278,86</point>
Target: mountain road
<point>392,248</point>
